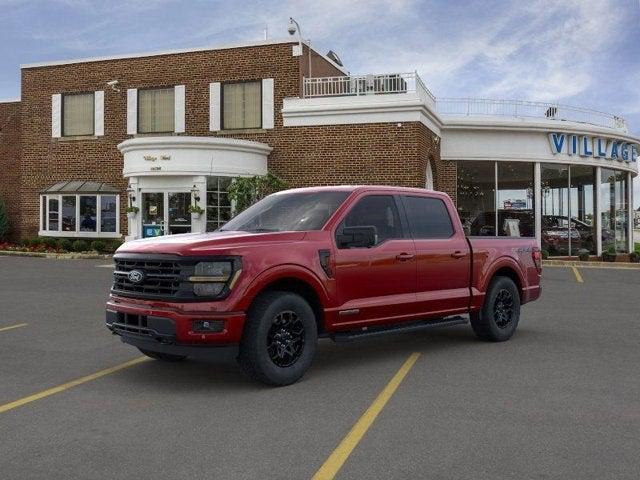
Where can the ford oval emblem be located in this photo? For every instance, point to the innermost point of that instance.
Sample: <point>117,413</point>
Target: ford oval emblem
<point>136,276</point>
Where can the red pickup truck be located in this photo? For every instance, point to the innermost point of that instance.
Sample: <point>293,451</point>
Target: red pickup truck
<point>339,262</point>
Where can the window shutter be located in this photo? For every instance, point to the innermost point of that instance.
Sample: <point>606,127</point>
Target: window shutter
<point>267,103</point>
<point>98,112</point>
<point>215,112</point>
<point>132,111</point>
<point>56,115</point>
<point>179,99</point>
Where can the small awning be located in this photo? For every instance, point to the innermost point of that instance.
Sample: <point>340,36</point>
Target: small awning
<point>81,186</point>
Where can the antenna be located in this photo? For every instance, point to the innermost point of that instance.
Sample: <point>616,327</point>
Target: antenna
<point>266,32</point>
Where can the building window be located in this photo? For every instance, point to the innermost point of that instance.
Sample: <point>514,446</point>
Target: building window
<point>218,203</point>
<point>515,200</point>
<point>156,110</point>
<point>476,197</point>
<point>582,207</point>
<point>78,114</point>
<point>613,205</point>
<point>242,105</point>
<point>69,213</point>
<point>555,231</point>
<point>78,215</point>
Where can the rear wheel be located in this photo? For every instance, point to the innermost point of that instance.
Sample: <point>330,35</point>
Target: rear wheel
<point>165,357</point>
<point>279,340</point>
<point>498,319</point>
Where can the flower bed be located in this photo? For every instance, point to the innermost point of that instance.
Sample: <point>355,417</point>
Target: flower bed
<point>47,245</point>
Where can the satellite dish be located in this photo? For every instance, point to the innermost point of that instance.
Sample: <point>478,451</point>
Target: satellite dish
<point>334,56</point>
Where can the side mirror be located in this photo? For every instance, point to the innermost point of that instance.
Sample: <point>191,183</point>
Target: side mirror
<point>357,237</point>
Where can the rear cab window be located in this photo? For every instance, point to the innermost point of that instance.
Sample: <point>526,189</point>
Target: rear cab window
<point>428,217</point>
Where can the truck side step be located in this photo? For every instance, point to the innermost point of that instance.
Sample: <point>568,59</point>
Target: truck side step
<point>352,335</point>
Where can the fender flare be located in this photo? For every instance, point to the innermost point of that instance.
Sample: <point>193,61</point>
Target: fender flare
<point>281,272</point>
<point>504,262</point>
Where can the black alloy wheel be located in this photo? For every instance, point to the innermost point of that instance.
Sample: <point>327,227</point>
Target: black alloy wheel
<point>285,340</point>
<point>503,308</point>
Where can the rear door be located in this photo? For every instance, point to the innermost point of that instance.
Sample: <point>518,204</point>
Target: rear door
<point>443,256</point>
<point>376,283</point>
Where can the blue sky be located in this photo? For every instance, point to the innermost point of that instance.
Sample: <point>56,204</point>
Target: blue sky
<point>581,52</point>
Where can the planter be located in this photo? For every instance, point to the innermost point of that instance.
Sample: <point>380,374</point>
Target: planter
<point>195,216</point>
<point>609,257</point>
<point>131,215</point>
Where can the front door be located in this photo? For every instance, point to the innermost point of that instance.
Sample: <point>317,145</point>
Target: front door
<point>376,283</point>
<point>165,213</point>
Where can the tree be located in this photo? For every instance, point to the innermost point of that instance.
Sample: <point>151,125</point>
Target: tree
<point>245,191</point>
<point>4,221</point>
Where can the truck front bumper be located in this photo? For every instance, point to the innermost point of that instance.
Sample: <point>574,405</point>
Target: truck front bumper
<point>171,327</point>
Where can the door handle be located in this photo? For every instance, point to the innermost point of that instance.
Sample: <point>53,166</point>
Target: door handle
<point>458,254</point>
<point>404,257</point>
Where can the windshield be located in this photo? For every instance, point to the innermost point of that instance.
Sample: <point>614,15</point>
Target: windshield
<point>288,212</point>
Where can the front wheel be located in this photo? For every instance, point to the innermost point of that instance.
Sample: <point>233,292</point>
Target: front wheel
<point>498,319</point>
<point>279,339</point>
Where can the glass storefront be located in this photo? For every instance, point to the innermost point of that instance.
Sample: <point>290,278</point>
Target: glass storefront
<point>614,190</point>
<point>477,197</point>
<point>498,198</point>
<point>510,212</point>
<point>218,203</point>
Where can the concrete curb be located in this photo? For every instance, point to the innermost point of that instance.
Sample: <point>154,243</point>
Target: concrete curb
<point>57,256</point>
<point>604,265</point>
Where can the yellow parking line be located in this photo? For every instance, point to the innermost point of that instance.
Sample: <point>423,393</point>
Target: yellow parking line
<point>4,329</point>
<point>577,274</point>
<point>65,386</point>
<point>332,465</point>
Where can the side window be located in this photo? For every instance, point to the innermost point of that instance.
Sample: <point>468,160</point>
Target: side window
<point>428,217</point>
<point>379,211</point>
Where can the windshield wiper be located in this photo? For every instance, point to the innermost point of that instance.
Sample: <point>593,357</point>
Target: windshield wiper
<point>259,230</point>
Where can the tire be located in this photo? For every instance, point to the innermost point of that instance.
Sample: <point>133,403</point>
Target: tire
<point>279,340</point>
<point>498,319</point>
<point>165,357</point>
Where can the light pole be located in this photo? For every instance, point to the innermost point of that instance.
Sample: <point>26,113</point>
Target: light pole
<point>292,29</point>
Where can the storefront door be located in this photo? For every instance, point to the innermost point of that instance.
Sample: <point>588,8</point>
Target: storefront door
<point>165,213</point>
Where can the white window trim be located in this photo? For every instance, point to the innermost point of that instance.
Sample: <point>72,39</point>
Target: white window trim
<point>45,232</point>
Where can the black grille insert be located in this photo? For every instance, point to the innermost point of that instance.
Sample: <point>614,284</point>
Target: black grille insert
<point>162,278</point>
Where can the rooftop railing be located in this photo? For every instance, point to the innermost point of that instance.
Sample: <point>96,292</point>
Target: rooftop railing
<point>526,109</point>
<point>356,85</point>
<point>399,83</point>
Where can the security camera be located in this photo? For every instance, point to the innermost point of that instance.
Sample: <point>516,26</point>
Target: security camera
<point>112,84</point>
<point>292,27</point>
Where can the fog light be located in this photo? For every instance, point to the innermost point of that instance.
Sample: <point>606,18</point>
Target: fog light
<point>207,326</point>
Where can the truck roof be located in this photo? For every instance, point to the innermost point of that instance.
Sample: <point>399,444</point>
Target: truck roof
<point>362,188</point>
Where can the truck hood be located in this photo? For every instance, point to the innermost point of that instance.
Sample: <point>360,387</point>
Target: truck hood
<point>206,243</point>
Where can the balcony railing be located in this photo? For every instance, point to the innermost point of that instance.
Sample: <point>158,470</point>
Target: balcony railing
<point>356,85</point>
<point>526,109</point>
<point>402,83</point>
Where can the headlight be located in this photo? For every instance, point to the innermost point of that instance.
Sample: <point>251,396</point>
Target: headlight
<point>210,278</point>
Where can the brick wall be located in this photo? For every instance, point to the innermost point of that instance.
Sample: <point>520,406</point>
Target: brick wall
<point>9,160</point>
<point>444,171</point>
<point>303,156</point>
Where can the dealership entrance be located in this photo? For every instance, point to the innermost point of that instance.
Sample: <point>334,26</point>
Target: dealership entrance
<point>165,213</point>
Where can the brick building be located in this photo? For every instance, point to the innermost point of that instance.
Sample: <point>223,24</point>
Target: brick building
<point>163,131</point>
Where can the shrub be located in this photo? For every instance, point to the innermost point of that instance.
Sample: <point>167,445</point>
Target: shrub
<point>634,257</point>
<point>113,245</point>
<point>583,254</point>
<point>245,191</point>
<point>65,244</point>
<point>49,242</point>
<point>25,242</point>
<point>98,246</point>
<point>545,254</point>
<point>80,246</point>
<point>35,241</point>
<point>4,221</point>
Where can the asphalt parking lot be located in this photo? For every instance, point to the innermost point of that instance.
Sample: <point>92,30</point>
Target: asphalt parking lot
<point>561,399</point>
